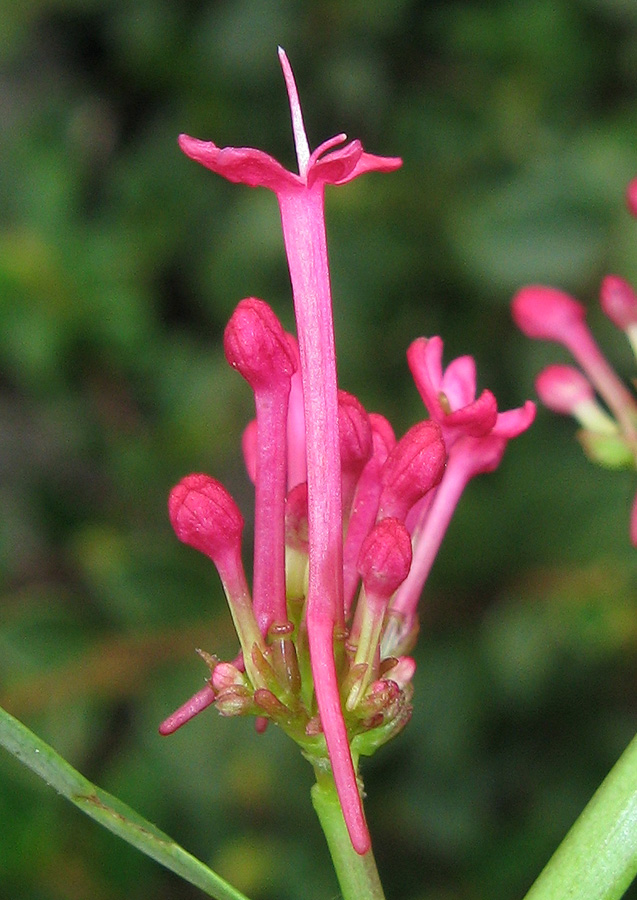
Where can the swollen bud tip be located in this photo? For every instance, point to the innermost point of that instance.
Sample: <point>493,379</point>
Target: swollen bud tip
<point>204,515</point>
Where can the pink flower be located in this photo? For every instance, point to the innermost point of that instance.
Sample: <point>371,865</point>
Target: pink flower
<point>450,395</point>
<point>550,314</point>
<point>476,437</point>
<point>301,204</point>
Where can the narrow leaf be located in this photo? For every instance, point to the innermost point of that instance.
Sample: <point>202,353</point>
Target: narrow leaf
<point>597,860</point>
<point>108,810</point>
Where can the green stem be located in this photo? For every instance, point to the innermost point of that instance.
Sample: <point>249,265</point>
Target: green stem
<point>597,860</point>
<point>357,875</point>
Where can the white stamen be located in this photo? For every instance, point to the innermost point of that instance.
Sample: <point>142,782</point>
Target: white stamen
<point>298,128</point>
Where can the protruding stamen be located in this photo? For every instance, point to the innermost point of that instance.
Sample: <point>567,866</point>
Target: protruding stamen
<point>298,128</point>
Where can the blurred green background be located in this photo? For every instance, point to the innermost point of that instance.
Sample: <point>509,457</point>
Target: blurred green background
<point>120,262</point>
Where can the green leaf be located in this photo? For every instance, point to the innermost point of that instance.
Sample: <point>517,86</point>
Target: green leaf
<point>108,810</point>
<point>597,860</point>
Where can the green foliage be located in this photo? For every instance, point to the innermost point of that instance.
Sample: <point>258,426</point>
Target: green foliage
<point>120,262</point>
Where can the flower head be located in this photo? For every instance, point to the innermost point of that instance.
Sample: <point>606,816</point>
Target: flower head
<point>339,502</point>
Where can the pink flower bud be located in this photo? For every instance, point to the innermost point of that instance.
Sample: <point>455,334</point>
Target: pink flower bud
<point>383,432</point>
<point>355,439</point>
<point>385,558</point>
<point>204,516</point>
<point>256,345</point>
<point>365,506</point>
<point>563,388</point>
<point>546,313</point>
<point>226,675</point>
<point>619,301</point>
<point>415,466</point>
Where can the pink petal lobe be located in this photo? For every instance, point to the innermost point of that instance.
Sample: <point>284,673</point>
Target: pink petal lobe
<point>475,419</point>
<point>513,422</point>
<point>369,162</point>
<point>336,167</point>
<point>459,381</point>
<point>424,357</point>
<point>241,165</point>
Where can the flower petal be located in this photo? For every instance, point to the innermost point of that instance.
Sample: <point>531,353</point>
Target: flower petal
<point>514,421</point>
<point>242,165</point>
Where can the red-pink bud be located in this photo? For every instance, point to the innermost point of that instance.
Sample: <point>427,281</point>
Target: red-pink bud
<point>562,388</point>
<point>415,465</point>
<point>619,301</point>
<point>256,345</point>
<point>204,516</point>
<point>383,432</point>
<point>546,313</point>
<point>385,558</point>
<point>355,439</point>
<point>354,430</point>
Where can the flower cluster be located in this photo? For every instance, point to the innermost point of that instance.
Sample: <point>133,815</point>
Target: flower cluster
<point>608,435</point>
<point>348,519</point>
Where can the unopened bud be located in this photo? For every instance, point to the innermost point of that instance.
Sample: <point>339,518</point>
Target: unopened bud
<point>204,516</point>
<point>256,345</point>
<point>415,465</point>
<point>546,313</point>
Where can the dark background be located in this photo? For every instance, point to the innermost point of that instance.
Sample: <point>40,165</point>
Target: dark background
<point>120,262</point>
